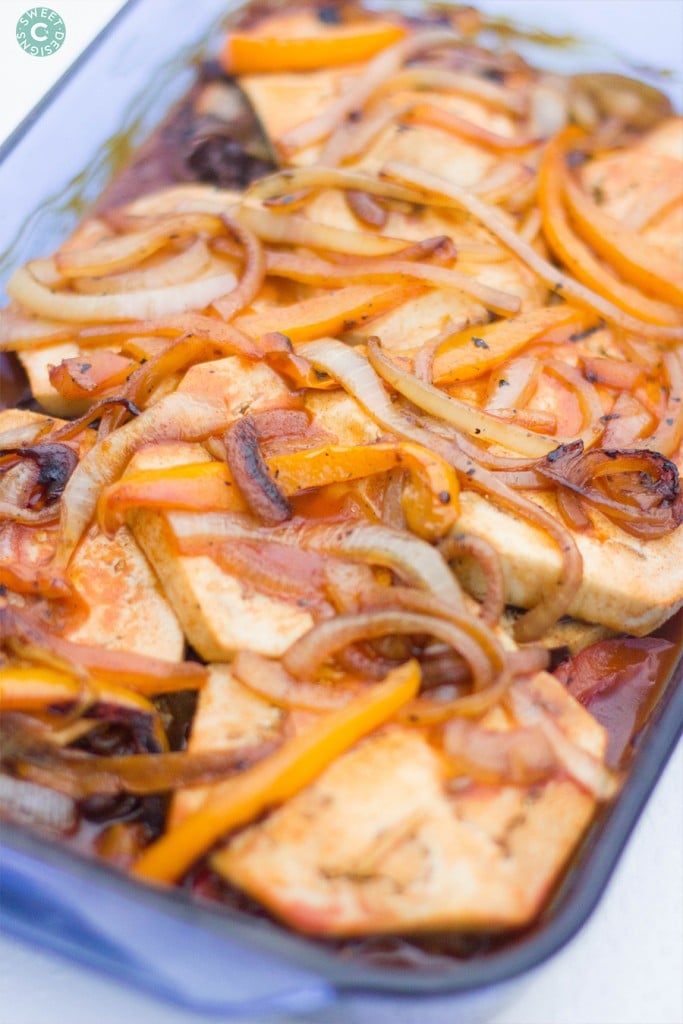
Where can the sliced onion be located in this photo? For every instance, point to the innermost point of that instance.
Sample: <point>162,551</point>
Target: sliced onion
<point>556,279</point>
<point>264,498</point>
<point>270,680</point>
<point>26,803</point>
<point>277,189</point>
<point>427,712</point>
<point>320,271</point>
<point>272,227</point>
<point>359,379</point>
<point>505,182</point>
<point>305,656</point>
<point>68,431</point>
<point>153,302</point>
<point>354,138</point>
<point>17,484</point>
<point>637,489</point>
<point>588,398</point>
<point>177,357</point>
<point>185,266</point>
<point>366,209</point>
<point>422,603</point>
<point>614,373</point>
<point>55,463</point>
<point>126,250</point>
<point>430,78</point>
<point>522,376</point>
<point>669,433</point>
<point>519,757</point>
<point>28,516</point>
<point>194,324</point>
<point>178,417</point>
<point>20,330</point>
<point>27,433</point>
<point>411,558</point>
<point>447,121</point>
<point>80,775</point>
<point>488,560</point>
<point>579,765</point>
<point>252,276</point>
<point>627,422</point>
<point>374,74</point>
<point>468,419</point>
<point>138,672</point>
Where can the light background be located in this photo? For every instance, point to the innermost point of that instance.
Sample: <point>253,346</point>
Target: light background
<point>625,966</point>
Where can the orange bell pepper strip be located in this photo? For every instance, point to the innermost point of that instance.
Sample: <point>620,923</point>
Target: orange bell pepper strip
<point>296,764</point>
<point>477,350</point>
<point>430,498</point>
<point>91,375</point>
<point>136,673</point>
<point>200,487</point>
<point>573,252</point>
<point>330,314</point>
<point>38,689</point>
<point>253,52</point>
<point>642,264</point>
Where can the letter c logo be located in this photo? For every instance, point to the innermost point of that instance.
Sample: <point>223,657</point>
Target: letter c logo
<point>39,37</point>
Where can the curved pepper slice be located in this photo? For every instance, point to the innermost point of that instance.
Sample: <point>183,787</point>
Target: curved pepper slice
<point>642,264</point>
<point>334,45</point>
<point>573,251</point>
<point>200,487</point>
<point>278,777</point>
<point>430,497</point>
<point>476,350</point>
<point>38,689</point>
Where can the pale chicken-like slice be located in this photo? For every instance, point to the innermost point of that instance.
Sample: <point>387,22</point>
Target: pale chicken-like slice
<point>283,100</point>
<point>383,841</point>
<point>617,591</point>
<point>125,608</point>
<point>37,364</point>
<point>228,717</point>
<point>628,584</point>
<point>219,612</point>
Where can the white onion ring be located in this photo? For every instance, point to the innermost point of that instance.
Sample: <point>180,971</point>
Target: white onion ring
<point>250,283</point>
<point>303,658</point>
<point>410,557</point>
<point>178,417</point>
<point>141,305</point>
<point>185,266</point>
<point>123,251</point>
<point>273,227</point>
<point>466,418</point>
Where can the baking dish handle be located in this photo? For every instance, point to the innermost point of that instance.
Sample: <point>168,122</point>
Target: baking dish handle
<point>168,956</point>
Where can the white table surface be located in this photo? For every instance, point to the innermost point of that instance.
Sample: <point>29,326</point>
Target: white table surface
<point>625,967</point>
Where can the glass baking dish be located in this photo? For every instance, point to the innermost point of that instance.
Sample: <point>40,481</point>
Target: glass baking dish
<point>212,958</point>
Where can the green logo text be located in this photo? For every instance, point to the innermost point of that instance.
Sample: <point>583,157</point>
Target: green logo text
<point>41,31</point>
